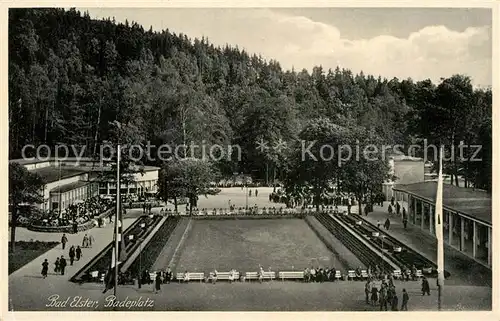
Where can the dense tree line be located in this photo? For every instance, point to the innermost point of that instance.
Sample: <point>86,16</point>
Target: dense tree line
<point>70,76</point>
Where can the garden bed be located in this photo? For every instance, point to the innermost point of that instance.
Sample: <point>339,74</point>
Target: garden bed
<point>26,252</point>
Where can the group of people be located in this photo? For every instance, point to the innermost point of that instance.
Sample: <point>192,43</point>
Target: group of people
<point>319,274</point>
<point>385,295</point>
<point>395,207</point>
<point>74,253</point>
<point>146,208</point>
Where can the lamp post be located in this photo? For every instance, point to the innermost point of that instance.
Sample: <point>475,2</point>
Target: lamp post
<point>143,225</point>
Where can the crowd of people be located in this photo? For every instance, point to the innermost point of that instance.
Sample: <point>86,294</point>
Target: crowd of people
<point>74,214</point>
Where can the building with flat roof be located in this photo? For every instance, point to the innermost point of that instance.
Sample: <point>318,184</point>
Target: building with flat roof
<point>467,224</point>
<point>70,180</point>
<point>406,169</point>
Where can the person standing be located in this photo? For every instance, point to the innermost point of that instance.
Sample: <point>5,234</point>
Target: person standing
<point>394,303</point>
<point>168,275</point>
<point>256,192</point>
<point>85,241</point>
<point>392,201</point>
<point>62,264</point>
<point>374,295</point>
<point>425,286</point>
<point>78,253</point>
<point>389,209</point>
<point>57,264</point>
<point>91,240</point>
<point>71,254</point>
<point>398,208</point>
<point>45,268</point>
<point>368,289</point>
<point>64,240</point>
<point>404,304</point>
<point>158,282</point>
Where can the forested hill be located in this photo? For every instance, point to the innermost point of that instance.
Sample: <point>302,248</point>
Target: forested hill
<point>69,76</point>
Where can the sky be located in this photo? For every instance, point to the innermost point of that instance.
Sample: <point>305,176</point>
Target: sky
<point>417,43</point>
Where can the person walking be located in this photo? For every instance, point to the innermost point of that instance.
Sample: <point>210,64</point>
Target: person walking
<point>404,304</point>
<point>256,192</point>
<point>389,209</point>
<point>64,240</point>
<point>78,253</point>
<point>71,254</point>
<point>387,224</point>
<point>57,264</point>
<point>45,268</point>
<point>425,286</point>
<point>398,208</point>
<point>157,282</point>
<point>62,264</point>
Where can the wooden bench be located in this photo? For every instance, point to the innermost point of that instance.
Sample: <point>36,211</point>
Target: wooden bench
<point>293,275</point>
<point>192,276</point>
<point>351,275</point>
<point>419,274</point>
<point>225,276</point>
<point>364,274</point>
<point>269,275</point>
<point>338,275</point>
<point>397,274</point>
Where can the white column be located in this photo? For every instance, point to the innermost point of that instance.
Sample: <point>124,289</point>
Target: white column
<point>474,241</point>
<point>462,233</point>
<point>450,228</point>
<point>422,216</point>
<point>489,246</point>
<point>431,221</point>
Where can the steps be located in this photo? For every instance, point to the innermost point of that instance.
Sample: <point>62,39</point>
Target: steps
<point>364,253</point>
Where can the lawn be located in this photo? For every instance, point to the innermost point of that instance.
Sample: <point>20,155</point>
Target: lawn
<point>26,252</point>
<point>282,244</point>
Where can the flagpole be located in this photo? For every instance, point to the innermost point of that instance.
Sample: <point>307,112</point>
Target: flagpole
<point>117,216</point>
<point>439,228</point>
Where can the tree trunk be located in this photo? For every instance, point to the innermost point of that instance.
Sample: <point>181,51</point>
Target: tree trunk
<point>175,203</point>
<point>267,173</point>
<point>317,200</point>
<point>191,199</point>
<point>97,127</point>
<point>46,124</point>
<point>13,225</point>
<point>360,208</point>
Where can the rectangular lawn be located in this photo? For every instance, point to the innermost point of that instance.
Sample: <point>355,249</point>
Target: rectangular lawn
<point>244,244</point>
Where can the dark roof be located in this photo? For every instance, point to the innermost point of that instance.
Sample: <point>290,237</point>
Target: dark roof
<point>68,187</point>
<point>28,161</point>
<point>51,174</point>
<point>23,161</point>
<point>470,202</point>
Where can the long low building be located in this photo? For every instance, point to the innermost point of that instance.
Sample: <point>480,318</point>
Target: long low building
<point>467,224</point>
<point>71,180</point>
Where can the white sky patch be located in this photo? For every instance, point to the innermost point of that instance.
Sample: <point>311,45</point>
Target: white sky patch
<point>432,52</point>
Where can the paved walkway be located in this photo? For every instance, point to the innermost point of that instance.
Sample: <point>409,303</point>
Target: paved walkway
<point>464,270</point>
<point>27,286</point>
